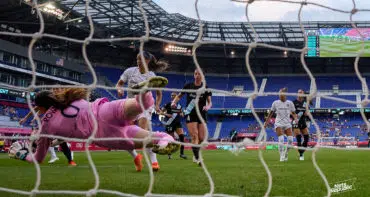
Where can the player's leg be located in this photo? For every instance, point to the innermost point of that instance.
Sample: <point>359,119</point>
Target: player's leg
<point>67,152</point>
<point>132,107</point>
<point>298,136</point>
<point>289,134</point>
<point>162,144</point>
<point>305,141</point>
<point>180,133</point>
<point>54,157</point>
<point>193,131</point>
<point>280,134</point>
<point>143,123</point>
<point>201,134</point>
<point>123,112</point>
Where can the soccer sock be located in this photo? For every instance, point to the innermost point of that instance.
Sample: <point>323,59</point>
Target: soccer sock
<point>198,150</point>
<point>299,143</point>
<point>52,152</point>
<point>66,151</point>
<point>152,156</point>
<point>164,139</point>
<point>195,152</point>
<point>290,142</point>
<point>305,142</point>
<point>281,144</point>
<point>133,153</point>
<point>182,139</point>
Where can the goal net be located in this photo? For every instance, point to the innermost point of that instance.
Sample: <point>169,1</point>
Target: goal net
<point>260,141</point>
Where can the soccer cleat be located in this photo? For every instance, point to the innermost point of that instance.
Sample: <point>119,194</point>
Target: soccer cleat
<point>153,82</point>
<point>184,156</point>
<point>53,160</point>
<point>286,157</point>
<point>199,163</point>
<point>282,157</point>
<point>301,158</point>
<point>194,160</point>
<point>72,163</point>
<point>155,166</point>
<point>138,162</point>
<point>169,149</point>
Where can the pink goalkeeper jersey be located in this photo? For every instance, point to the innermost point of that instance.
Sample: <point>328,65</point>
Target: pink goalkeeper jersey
<point>74,122</point>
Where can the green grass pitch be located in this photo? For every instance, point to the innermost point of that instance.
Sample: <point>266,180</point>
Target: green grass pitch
<point>241,175</point>
<point>342,47</point>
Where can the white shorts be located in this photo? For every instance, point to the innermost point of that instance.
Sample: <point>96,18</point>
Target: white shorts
<point>147,114</point>
<point>283,127</point>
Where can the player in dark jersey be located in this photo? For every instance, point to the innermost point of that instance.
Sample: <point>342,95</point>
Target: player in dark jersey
<point>301,128</point>
<point>172,122</point>
<point>195,126</point>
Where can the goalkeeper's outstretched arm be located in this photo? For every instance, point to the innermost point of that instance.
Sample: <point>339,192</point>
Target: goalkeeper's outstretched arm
<point>17,151</point>
<point>43,145</point>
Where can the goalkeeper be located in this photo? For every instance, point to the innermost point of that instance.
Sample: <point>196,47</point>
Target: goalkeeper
<point>68,114</point>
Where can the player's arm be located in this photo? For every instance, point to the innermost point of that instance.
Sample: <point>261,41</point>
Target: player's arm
<point>273,109</point>
<point>292,112</point>
<point>268,118</point>
<point>177,98</point>
<point>23,120</point>
<point>121,82</point>
<point>209,104</point>
<point>119,85</point>
<point>295,116</point>
<point>164,112</point>
<point>17,151</point>
<point>42,149</point>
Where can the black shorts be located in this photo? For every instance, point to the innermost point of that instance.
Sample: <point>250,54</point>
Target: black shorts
<point>173,127</point>
<point>301,125</point>
<point>193,117</point>
<point>234,139</point>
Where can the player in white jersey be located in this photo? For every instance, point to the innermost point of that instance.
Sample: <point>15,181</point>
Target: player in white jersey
<point>132,77</point>
<point>283,125</point>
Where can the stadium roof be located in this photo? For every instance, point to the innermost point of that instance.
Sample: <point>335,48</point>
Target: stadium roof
<point>124,18</point>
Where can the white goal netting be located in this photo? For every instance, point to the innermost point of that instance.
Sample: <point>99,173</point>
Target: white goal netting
<point>260,141</point>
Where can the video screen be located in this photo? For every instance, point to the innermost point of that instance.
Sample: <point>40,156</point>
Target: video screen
<point>343,42</point>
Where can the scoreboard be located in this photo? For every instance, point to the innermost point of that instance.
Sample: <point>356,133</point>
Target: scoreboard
<point>313,43</point>
<point>16,93</point>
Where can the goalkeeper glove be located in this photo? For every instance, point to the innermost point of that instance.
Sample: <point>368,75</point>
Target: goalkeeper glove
<point>17,151</point>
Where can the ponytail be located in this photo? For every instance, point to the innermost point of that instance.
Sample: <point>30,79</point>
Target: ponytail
<point>69,95</point>
<point>154,64</point>
<point>60,100</point>
<point>157,66</point>
<point>46,100</point>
